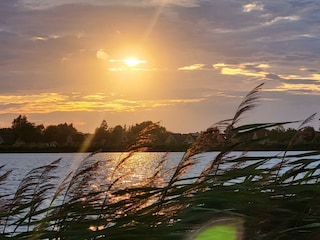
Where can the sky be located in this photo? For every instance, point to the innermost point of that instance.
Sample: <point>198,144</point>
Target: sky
<point>192,61</point>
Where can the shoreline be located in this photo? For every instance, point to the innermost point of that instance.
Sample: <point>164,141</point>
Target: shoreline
<point>173,149</point>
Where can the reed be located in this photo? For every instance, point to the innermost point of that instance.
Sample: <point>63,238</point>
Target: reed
<point>256,197</point>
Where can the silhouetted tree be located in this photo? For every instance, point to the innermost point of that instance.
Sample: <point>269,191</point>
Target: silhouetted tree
<point>25,130</point>
<point>118,136</point>
<point>158,132</point>
<point>101,134</point>
<point>62,133</point>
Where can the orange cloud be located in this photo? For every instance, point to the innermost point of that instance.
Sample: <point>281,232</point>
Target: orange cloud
<point>246,69</point>
<point>197,66</point>
<point>315,76</point>
<point>54,102</point>
<point>298,87</point>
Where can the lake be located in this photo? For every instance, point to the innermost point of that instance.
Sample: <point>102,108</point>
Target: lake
<point>120,170</point>
<point>134,170</point>
<point>140,165</point>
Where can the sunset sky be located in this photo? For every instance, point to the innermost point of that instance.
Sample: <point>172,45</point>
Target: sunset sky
<point>185,63</point>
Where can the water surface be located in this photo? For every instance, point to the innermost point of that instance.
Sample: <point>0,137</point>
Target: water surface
<point>133,170</point>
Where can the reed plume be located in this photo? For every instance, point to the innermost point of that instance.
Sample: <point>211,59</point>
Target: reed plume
<point>259,197</point>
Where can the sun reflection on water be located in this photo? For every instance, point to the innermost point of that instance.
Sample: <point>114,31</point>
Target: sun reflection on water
<point>127,170</point>
<point>123,178</point>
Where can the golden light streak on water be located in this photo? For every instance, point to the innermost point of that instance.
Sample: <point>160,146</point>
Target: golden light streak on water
<point>124,172</point>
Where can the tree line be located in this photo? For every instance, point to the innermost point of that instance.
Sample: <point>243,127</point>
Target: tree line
<point>275,138</point>
<point>24,135</point>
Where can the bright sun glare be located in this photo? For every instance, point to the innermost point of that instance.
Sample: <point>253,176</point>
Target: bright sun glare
<point>132,61</point>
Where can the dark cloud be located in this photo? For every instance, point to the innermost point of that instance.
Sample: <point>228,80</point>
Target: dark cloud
<point>273,77</point>
<point>196,28</point>
<point>7,8</point>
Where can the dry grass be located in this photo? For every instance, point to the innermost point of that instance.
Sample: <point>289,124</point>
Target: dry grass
<point>268,197</point>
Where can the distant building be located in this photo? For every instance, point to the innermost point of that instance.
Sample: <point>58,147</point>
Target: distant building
<point>189,138</point>
<point>19,142</point>
<point>261,134</point>
<point>178,138</point>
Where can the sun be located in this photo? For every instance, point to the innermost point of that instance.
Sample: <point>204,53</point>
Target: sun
<point>132,61</point>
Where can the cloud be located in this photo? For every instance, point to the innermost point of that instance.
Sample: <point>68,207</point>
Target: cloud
<point>99,102</point>
<point>43,4</point>
<point>312,77</point>
<point>299,88</point>
<point>44,38</point>
<point>246,69</point>
<point>262,25</point>
<point>255,6</point>
<point>249,41</point>
<point>96,97</point>
<point>282,19</point>
<point>306,84</point>
<point>304,77</point>
<point>102,55</point>
<point>197,66</point>
<point>181,3</point>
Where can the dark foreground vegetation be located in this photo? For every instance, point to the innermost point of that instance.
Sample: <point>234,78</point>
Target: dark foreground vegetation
<point>259,197</point>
